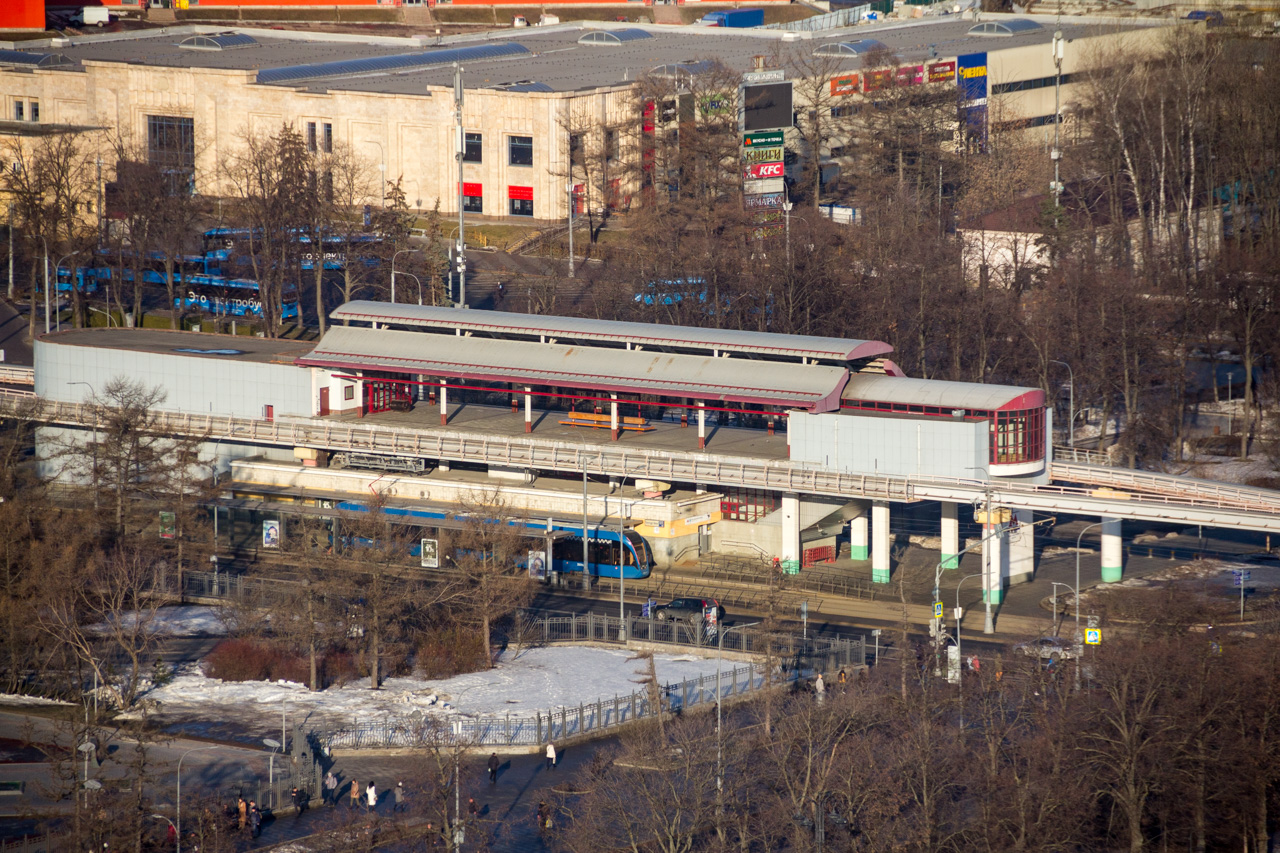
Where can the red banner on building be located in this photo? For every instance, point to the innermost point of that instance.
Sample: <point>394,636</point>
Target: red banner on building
<point>756,171</point>
<point>877,79</point>
<point>520,193</point>
<point>473,189</point>
<point>910,75</point>
<point>942,72</point>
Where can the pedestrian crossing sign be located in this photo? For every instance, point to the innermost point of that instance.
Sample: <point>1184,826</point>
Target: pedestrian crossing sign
<point>937,610</point>
<point>1093,636</point>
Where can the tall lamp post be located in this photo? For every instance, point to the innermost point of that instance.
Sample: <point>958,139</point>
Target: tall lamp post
<point>393,271</point>
<point>1056,154</point>
<point>719,715</point>
<point>786,212</point>
<point>622,560</point>
<point>459,148</point>
<point>1079,644</point>
<point>1071,403</point>
<point>569,189</point>
<point>273,745</point>
<point>178,809</point>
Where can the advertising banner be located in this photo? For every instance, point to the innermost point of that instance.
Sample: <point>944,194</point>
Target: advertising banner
<point>942,72</point>
<point>472,189</point>
<point>877,79</point>
<point>168,525</point>
<point>271,533</point>
<point>520,193</point>
<point>910,75</point>
<point>972,77</point>
<point>762,155</point>
<point>430,553</point>
<point>763,139</point>
<point>846,85</point>
<point>538,565</point>
<point>756,171</point>
<point>766,201</point>
<point>764,187</point>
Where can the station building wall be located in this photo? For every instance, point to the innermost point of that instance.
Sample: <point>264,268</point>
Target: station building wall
<point>892,446</point>
<point>197,384</point>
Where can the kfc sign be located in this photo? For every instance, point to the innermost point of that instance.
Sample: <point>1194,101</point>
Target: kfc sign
<point>764,170</point>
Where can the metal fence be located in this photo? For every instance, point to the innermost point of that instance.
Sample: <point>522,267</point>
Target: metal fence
<point>419,729</point>
<point>830,21</point>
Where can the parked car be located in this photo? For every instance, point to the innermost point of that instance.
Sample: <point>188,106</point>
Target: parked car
<point>1052,649</point>
<point>691,609</point>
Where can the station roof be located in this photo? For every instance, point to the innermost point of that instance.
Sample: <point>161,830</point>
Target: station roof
<point>187,344</point>
<point>503,324</point>
<point>633,372</point>
<point>946,395</point>
<point>551,57</point>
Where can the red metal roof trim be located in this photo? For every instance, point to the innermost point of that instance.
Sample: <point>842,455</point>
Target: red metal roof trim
<point>1033,399</point>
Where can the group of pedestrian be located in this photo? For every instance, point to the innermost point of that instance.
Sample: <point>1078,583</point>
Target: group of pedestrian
<point>249,816</point>
<point>543,816</point>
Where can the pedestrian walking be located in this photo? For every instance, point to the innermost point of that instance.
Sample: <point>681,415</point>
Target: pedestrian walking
<point>493,768</point>
<point>977,665</point>
<point>355,793</point>
<point>551,756</point>
<point>819,686</point>
<point>371,796</point>
<point>842,678</point>
<point>255,820</point>
<point>999,669</point>
<point>242,808</point>
<point>300,801</point>
<point>472,808</point>
<point>330,789</point>
<point>399,793</point>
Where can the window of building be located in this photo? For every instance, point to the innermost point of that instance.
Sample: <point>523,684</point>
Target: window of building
<point>521,150</point>
<point>575,149</point>
<point>611,145</point>
<point>473,198</point>
<point>473,148</point>
<point>327,140</point>
<point>748,504</point>
<point>844,111</point>
<point>171,142</point>
<point>312,144</point>
<point>19,111</point>
<point>521,200</point>
<point>35,110</point>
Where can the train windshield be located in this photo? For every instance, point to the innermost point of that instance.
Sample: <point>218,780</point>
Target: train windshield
<point>641,549</point>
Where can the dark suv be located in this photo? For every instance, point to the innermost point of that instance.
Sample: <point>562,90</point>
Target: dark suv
<point>691,609</point>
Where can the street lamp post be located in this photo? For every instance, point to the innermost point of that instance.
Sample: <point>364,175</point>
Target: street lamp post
<point>56,267</point>
<point>622,559</point>
<point>569,189</point>
<point>459,149</point>
<point>786,212</point>
<point>178,808</point>
<point>273,745</point>
<point>957,610</point>
<point>1080,637</point>
<point>719,715</point>
<point>1071,403</point>
<point>393,272</point>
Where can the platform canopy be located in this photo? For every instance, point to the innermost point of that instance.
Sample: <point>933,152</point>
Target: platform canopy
<point>626,372</point>
<point>942,394</point>
<point>504,324</point>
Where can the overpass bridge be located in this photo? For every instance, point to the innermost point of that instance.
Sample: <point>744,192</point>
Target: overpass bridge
<point>1106,492</point>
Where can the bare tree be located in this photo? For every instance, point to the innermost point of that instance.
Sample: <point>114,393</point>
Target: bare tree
<point>487,548</point>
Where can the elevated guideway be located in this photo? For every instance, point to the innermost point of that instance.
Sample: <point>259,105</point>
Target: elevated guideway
<point>1141,483</point>
<point>753,472</point>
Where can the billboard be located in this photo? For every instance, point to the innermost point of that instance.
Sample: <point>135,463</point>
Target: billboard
<point>762,155</point>
<point>538,565</point>
<point>846,85</point>
<point>430,553</point>
<point>758,171</point>
<point>765,201</point>
<point>763,139</point>
<point>910,75</point>
<point>972,76</point>
<point>766,106</point>
<point>764,187</point>
<point>942,72</point>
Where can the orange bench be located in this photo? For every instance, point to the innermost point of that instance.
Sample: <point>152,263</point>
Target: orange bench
<point>602,421</point>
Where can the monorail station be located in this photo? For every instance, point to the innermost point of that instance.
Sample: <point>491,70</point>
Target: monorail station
<point>696,441</point>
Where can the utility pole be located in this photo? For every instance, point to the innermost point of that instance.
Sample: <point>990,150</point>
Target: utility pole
<point>459,147</point>
<point>1056,153</point>
<point>11,251</point>
<point>569,189</point>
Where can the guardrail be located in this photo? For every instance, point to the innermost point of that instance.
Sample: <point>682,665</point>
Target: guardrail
<point>681,466</point>
<point>17,375</point>
<point>1065,453</point>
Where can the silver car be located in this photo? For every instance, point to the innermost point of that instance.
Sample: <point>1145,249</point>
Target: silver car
<point>1051,649</point>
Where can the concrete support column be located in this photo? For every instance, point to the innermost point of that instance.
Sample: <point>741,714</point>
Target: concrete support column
<point>1022,547</point>
<point>613,416</point>
<point>444,404</point>
<point>994,563</point>
<point>880,542</point>
<point>1112,551</point>
<point>858,545</point>
<point>528,409</point>
<point>950,557</point>
<point>790,530</point>
<point>702,426</point>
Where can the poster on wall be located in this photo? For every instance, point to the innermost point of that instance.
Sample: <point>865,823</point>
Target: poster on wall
<point>430,553</point>
<point>168,525</point>
<point>538,565</point>
<point>271,533</point>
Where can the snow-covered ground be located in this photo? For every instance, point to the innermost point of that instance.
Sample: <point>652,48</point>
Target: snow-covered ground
<point>183,621</point>
<point>530,680</point>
